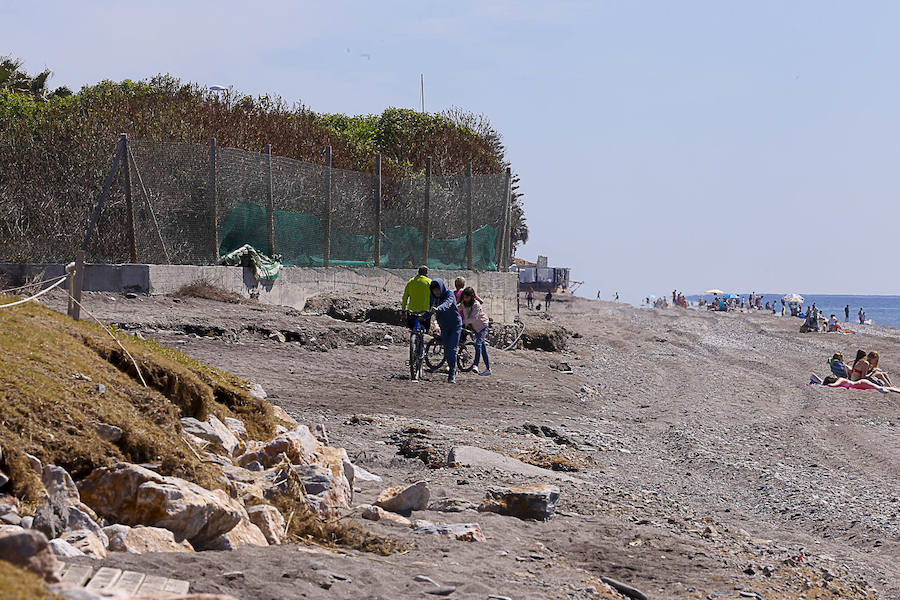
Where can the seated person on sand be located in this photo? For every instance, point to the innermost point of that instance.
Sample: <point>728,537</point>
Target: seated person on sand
<point>860,367</point>
<point>838,368</point>
<point>833,324</point>
<point>875,374</point>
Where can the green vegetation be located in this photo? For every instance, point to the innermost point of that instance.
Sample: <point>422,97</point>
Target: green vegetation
<point>56,148</point>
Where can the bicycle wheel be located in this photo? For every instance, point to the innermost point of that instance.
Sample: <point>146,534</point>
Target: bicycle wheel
<point>434,354</point>
<point>415,366</point>
<point>465,358</point>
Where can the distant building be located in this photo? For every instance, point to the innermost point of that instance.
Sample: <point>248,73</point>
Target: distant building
<point>540,277</point>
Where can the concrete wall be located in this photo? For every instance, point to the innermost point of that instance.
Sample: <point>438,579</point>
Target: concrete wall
<point>292,288</point>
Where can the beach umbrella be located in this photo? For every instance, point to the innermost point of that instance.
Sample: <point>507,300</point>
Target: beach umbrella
<point>717,292</point>
<point>788,298</point>
<point>730,296</point>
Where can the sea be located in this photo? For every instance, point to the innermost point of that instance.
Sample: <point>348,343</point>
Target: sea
<point>880,310</point>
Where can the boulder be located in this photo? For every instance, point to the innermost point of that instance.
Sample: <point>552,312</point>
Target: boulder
<point>323,494</point>
<point>86,541</point>
<point>269,520</point>
<point>257,391</point>
<point>214,431</point>
<point>237,427</point>
<point>35,463</point>
<point>376,513</point>
<point>80,519</point>
<point>320,433</point>
<point>132,495</point>
<point>360,474</point>
<point>282,415</point>
<point>524,502</point>
<point>29,549</point>
<point>64,549</point>
<point>299,445</point>
<point>244,533</point>
<point>108,433</point>
<point>464,532</point>
<point>58,482</point>
<point>405,500</point>
<point>139,540</point>
<point>52,517</point>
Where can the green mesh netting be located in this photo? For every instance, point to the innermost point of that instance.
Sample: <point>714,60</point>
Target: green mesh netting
<point>299,239</point>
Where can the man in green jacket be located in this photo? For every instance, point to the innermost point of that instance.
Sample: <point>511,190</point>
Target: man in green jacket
<point>417,298</point>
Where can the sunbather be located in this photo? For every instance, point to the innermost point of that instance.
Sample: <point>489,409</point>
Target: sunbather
<point>860,367</point>
<point>875,374</point>
<point>863,384</point>
<point>838,368</point>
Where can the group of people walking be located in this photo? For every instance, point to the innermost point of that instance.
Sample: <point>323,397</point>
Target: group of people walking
<point>453,310</point>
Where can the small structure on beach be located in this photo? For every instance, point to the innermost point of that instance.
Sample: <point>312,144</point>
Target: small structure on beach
<point>541,277</point>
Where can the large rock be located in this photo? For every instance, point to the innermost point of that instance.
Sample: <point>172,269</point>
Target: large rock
<point>59,483</point>
<point>237,427</point>
<point>464,532</point>
<point>64,549</point>
<point>132,495</point>
<point>214,431</point>
<point>139,540</point>
<point>525,502</point>
<point>29,549</point>
<point>86,541</point>
<point>244,533</point>
<point>108,433</point>
<point>376,513</point>
<point>299,446</point>
<point>282,415</point>
<point>405,500</point>
<point>269,520</point>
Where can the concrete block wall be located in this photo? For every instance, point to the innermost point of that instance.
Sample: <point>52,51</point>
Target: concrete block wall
<point>292,288</point>
<point>296,284</point>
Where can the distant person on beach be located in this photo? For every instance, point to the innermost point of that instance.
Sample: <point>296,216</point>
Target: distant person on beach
<point>617,296</point>
<point>547,300</point>
<point>598,294</point>
<point>674,294</point>
<point>529,297</point>
<point>473,316</point>
<point>861,315</point>
<point>847,313</point>
<point>833,323</point>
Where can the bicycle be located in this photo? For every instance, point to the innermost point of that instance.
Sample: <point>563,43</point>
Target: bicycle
<point>465,356</point>
<point>417,344</point>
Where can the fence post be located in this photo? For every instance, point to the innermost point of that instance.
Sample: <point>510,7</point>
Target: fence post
<point>326,250</point>
<point>99,208</point>
<point>213,200</point>
<point>378,209</point>
<point>507,226</point>
<point>78,275</point>
<point>470,255</point>
<point>427,228</point>
<point>129,205</point>
<point>270,208</point>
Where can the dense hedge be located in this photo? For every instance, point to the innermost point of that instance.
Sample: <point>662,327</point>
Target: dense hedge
<point>56,151</point>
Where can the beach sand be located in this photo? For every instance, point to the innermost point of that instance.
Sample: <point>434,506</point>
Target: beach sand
<point>709,466</point>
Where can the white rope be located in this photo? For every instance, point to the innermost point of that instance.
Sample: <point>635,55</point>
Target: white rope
<point>38,295</point>
<point>27,285</point>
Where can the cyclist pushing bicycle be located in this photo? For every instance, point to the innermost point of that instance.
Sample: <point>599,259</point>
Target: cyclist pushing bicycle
<point>416,303</point>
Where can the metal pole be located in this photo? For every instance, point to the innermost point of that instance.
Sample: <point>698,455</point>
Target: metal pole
<point>427,228</point>
<point>270,208</point>
<point>504,257</point>
<point>214,200</point>
<point>109,178</point>
<point>129,207</point>
<point>79,284</point>
<point>326,251</point>
<point>422,79</point>
<point>470,255</point>
<point>378,210</point>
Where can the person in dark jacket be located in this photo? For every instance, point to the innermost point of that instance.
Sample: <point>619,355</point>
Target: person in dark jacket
<point>443,304</point>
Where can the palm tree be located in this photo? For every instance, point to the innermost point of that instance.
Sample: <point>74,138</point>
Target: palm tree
<point>15,79</point>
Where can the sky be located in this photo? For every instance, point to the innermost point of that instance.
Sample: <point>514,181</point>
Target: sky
<point>661,145</point>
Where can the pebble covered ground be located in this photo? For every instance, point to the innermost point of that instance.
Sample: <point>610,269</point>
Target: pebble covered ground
<point>704,466</point>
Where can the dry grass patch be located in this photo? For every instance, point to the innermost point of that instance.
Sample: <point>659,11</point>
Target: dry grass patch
<point>50,371</point>
<point>201,288</point>
<point>565,461</point>
<point>18,584</point>
<point>305,525</point>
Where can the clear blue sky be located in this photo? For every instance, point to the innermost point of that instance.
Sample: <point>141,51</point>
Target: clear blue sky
<point>745,146</point>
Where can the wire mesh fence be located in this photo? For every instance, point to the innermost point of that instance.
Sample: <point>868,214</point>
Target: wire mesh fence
<point>194,203</point>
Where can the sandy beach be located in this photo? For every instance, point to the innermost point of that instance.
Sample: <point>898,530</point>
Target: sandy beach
<point>706,466</point>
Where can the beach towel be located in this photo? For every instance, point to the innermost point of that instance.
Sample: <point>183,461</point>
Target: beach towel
<point>862,384</point>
